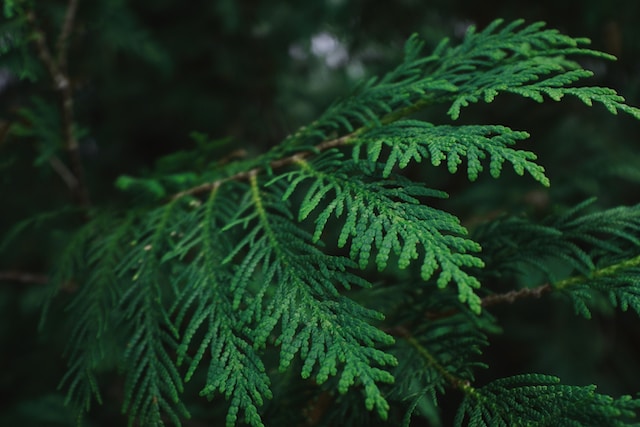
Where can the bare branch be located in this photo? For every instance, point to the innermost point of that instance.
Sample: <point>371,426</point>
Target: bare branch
<point>488,301</point>
<point>513,296</point>
<point>67,176</point>
<point>23,277</point>
<point>62,84</point>
<point>65,33</point>
<point>41,47</point>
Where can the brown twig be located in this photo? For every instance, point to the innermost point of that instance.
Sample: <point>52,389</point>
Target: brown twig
<point>515,295</point>
<point>453,380</point>
<point>28,278</point>
<point>206,187</point>
<point>67,176</point>
<point>65,33</point>
<point>234,155</point>
<point>23,277</point>
<point>57,69</point>
<point>42,49</point>
<point>508,297</point>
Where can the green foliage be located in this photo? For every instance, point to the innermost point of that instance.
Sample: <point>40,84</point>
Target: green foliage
<point>439,352</point>
<point>42,124</point>
<point>235,368</point>
<point>529,62</point>
<point>15,43</point>
<point>9,8</point>
<point>93,307</point>
<point>256,277</point>
<point>414,140</point>
<point>386,216</point>
<point>540,400</point>
<point>596,253</point>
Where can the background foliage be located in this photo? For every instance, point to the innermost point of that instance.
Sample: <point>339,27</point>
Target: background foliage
<point>248,73</point>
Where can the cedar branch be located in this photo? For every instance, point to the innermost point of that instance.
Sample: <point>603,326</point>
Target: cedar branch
<point>57,69</point>
<point>495,299</point>
<point>23,277</point>
<point>65,33</point>
<point>276,164</point>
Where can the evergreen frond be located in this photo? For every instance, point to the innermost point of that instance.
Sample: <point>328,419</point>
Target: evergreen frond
<point>384,217</point>
<point>619,282</point>
<point>412,140</point>
<point>529,61</point>
<point>579,238</point>
<point>93,308</point>
<point>589,244</point>
<point>14,43</point>
<point>555,89</point>
<point>297,287</point>
<point>215,331</point>
<point>541,400</point>
<point>438,354</point>
<point>42,123</point>
<point>152,382</point>
<point>376,98</point>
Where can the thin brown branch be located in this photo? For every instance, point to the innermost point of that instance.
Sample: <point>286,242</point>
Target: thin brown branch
<point>42,49</point>
<point>455,381</point>
<point>515,295</point>
<point>23,277</point>
<point>57,71</point>
<point>61,169</point>
<point>488,301</point>
<point>28,278</point>
<point>73,148</point>
<point>234,155</point>
<point>276,164</point>
<point>65,33</point>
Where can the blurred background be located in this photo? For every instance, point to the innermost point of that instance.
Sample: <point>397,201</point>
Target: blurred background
<point>148,73</point>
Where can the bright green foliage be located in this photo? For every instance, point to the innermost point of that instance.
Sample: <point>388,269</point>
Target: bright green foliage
<point>414,140</point>
<point>378,100</point>
<point>235,368</point>
<point>235,274</point>
<point>150,188</point>
<point>153,383</point>
<point>307,302</point>
<point>386,216</point>
<point>540,400</point>
<point>529,62</point>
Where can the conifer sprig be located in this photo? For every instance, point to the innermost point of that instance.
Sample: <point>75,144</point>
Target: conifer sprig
<point>211,331</point>
<point>152,382</point>
<point>298,287</point>
<point>599,250</point>
<point>413,140</point>
<point>540,400</point>
<point>528,61</point>
<point>93,307</point>
<point>385,217</point>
